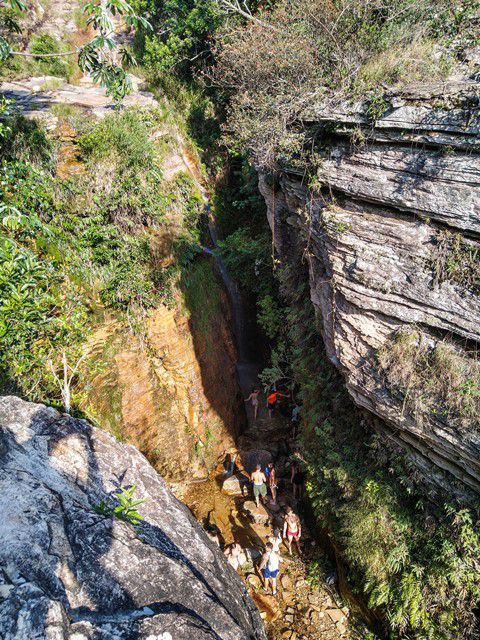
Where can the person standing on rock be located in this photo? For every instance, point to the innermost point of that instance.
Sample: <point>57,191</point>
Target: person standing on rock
<point>270,566</point>
<point>272,400</point>
<point>272,481</point>
<point>295,419</point>
<point>292,529</point>
<point>253,398</point>
<point>259,484</point>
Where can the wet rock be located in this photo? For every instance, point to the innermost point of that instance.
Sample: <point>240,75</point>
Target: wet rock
<point>258,514</point>
<point>251,458</point>
<point>72,572</point>
<point>252,554</point>
<point>274,507</point>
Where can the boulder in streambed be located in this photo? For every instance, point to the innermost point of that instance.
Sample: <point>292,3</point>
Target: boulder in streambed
<point>236,485</point>
<point>258,514</point>
<point>68,571</point>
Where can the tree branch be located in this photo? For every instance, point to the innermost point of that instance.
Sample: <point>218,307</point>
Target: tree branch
<point>234,5</point>
<point>43,55</point>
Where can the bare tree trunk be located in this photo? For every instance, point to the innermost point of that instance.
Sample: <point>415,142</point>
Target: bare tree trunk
<point>66,394</point>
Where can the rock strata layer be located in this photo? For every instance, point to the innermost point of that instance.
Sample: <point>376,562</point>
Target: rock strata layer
<point>69,572</point>
<point>390,188</point>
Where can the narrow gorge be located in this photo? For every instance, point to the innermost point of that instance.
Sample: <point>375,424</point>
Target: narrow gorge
<point>202,203</point>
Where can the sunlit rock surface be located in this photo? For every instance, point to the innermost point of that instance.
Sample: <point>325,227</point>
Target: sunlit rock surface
<point>387,189</point>
<point>67,572</point>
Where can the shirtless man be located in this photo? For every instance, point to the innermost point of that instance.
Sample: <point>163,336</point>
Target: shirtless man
<point>253,398</point>
<point>259,484</point>
<point>292,529</point>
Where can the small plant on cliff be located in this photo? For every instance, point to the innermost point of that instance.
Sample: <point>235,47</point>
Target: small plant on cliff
<point>457,260</point>
<point>437,379</point>
<point>126,510</point>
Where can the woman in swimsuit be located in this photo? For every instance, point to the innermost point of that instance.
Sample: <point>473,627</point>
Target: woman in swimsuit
<point>272,481</point>
<point>232,553</point>
<point>275,539</point>
<point>253,398</point>
<point>292,530</point>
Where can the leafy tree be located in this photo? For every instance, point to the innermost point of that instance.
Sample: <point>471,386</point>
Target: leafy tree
<point>284,61</point>
<point>182,33</point>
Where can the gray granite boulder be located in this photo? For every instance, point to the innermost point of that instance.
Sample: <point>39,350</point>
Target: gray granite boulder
<point>68,572</point>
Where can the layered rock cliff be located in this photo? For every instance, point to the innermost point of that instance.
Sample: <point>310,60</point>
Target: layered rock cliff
<point>68,572</point>
<point>389,226</point>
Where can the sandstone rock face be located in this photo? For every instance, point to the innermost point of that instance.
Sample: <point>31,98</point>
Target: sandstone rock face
<point>387,193</point>
<point>68,572</point>
<point>167,392</point>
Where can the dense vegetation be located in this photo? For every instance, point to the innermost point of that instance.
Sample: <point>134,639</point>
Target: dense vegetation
<point>100,56</point>
<point>303,52</point>
<point>78,248</point>
<point>75,250</point>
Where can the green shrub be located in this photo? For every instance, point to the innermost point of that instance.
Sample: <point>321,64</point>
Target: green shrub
<point>124,136</point>
<point>270,316</point>
<point>183,33</point>
<point>63,67</point>
<point>26,142</point>
<point>248,258</point>
<point>125,510</point>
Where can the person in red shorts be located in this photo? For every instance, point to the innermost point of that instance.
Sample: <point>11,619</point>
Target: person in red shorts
<point>292,529</point>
